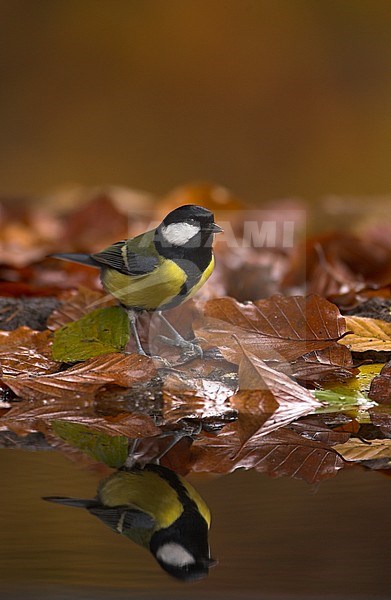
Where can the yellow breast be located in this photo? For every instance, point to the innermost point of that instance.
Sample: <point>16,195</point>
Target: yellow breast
<point>144,490</point>
<point>146,292</point>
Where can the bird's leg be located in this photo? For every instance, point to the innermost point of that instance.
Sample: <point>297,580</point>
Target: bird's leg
<point>190,348</point>
<point>177,436</point>
<point>132,316</point>
<point>131,458</point>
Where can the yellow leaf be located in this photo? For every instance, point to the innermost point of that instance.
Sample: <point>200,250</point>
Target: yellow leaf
<point>356,450</point>
<point>367,334</point>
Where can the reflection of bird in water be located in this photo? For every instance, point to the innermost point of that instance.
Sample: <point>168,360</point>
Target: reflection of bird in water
<point>158,509</point>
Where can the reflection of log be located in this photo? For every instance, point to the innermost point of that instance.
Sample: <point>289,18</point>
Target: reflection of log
<point>32,312</point>
<point>32,441</point>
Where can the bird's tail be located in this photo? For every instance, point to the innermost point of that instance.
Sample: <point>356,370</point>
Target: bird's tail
<point>83,259</point>
<point>78,502</point>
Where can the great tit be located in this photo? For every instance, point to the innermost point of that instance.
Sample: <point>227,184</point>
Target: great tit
<point>159,510</point>
<point>160,268</point>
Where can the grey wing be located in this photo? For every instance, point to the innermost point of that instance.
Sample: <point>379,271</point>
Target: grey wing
<point>122,518</point>
<point>120,257</point>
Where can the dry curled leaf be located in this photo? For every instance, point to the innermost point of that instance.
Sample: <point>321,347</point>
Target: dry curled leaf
<point>84,380</point>
<point>367,334</point>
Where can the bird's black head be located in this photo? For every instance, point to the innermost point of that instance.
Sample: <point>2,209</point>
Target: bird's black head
<point>180,563</point>
<point>188,226</point>
<point>182,549</point>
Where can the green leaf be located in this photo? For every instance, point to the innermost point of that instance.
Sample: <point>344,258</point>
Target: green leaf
<point>350,397</point>
<point>102,331</point>
<point>111,450</point>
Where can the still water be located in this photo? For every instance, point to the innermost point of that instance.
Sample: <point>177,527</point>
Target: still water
<point>274,538</point>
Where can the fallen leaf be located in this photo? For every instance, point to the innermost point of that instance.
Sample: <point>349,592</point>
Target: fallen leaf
<point>381,417</point>
<point>25,351</point>
<point>268,399</point>
<point>102,331</point>
<point>380,389</point>
<point>340,399</point>
<point>357,450</point>
<point>325,365</point>
<point>84,380</point>
<point>279,328</point>
<point>367,334</point>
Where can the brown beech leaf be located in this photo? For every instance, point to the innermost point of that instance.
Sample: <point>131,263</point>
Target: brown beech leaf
<point>84,380</point>
<point>333,363</point>
<point>280,328</point>
<point>381,417</point>
<point>25,351</point>
<point>380,389</point>
<point>283,452</point>
<point>268,399</point>
<point>367,334</point>
<point>26,417</point>
<point>75,304</point>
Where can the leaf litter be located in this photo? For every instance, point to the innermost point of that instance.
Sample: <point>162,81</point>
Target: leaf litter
<point>280,388</point>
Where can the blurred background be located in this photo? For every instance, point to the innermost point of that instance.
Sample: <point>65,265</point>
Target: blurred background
<point>270,98</point>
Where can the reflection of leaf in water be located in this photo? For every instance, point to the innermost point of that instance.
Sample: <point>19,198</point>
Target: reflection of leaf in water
<point>99,332</point>
<point>85,379</point>
<point>200,398</point>
<point>283,452</point>
<point>268,399</point>
<point>111,450</point>
<point>357,450</point>
<point>26,417</point>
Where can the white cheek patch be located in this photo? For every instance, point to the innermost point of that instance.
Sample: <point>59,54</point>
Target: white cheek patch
<point>175,555</point>
<point>179,234</point>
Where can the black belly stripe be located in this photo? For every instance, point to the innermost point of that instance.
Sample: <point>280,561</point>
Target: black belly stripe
<point>193,261</point>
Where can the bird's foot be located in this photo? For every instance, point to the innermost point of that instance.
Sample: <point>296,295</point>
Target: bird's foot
<point>190,350</point>
<point>164,361</point>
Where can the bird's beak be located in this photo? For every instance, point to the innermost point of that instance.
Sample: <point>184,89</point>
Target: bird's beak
<point>216,228</point>
<point>211,562</point>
